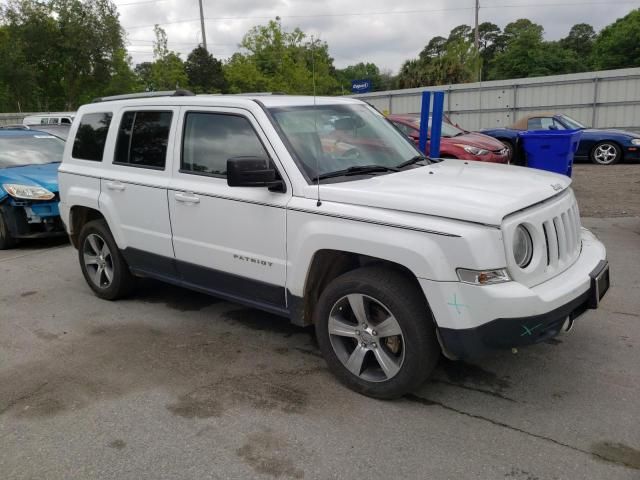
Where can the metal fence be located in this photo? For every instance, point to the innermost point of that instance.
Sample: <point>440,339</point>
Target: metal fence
<point>605,99</point>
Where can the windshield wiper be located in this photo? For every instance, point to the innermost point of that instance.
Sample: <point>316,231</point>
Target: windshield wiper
<point>412,160</point>
<point>355,170</point>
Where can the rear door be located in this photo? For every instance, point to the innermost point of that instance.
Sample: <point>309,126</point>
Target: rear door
<point>134,186</point>
<point>228,240</point>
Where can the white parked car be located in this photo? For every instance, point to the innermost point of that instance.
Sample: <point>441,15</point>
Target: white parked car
<point>64,118</point>
<point>320,211</point>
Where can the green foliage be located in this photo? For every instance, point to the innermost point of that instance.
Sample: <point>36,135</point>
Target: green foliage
<point>61,53</point>
<point>167,70</point>
<point>276,60</point>
<point>618,45</point>
<point>359,71</point>
<point>204,72</point>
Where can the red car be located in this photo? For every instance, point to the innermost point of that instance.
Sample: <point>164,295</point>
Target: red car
<point>455,143</point>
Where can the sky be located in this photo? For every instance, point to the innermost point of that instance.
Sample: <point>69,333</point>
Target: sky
<point>386,33</point>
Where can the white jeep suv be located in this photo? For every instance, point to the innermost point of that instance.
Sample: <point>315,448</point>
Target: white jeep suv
<point>321,211</point>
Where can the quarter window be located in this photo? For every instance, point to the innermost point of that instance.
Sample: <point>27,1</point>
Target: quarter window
<point>91,136</point>
<point>143,138</point>
<point>210,139</point>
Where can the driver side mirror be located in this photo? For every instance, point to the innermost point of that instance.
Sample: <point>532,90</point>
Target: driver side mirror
<point>253,172</point>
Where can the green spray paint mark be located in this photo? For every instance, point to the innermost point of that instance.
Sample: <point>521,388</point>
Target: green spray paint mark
<point>529,331</point>
<point>456,304</point>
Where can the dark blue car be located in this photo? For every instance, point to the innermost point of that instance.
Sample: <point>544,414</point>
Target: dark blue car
<point>29,161</point>
<point>601,146</point>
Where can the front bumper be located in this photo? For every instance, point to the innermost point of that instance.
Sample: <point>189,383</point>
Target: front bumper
<point>632,153</point>
<point>474,320</point>
<point>32,219</point>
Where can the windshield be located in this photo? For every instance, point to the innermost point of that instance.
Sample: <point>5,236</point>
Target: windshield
<point>448,130</point>
<point>30,150</point>
<point>332,138</point>
<point>571,123</point>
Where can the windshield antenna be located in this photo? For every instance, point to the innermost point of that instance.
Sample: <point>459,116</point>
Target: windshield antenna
<point>315,118</point>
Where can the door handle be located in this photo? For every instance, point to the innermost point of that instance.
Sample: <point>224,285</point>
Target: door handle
<point>187,198</point>
<point>115,186</point>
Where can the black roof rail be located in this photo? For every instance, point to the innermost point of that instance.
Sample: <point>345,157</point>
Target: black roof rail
<point>258,94</point>
<point>131,96</point>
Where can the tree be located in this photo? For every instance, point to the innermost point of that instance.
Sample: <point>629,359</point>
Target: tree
<point>580,40</point>
<point>277,60</point>
<point>167,70</point>
<point>62,52</point>
<point>618,45</point>
<point>204,72</point>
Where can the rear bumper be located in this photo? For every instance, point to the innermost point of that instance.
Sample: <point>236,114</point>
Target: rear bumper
<point>473,320</point>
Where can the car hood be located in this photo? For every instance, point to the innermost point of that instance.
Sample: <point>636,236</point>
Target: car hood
<point>476,140</point>
<point>468,191</point>
<point>41,175</point>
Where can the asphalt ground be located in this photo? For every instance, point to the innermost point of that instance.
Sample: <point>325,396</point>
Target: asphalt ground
<point>172,384</point>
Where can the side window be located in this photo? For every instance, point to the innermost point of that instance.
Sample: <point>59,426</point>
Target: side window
<point>210,139</point>
<point>534,124</point>
<point>65,121</point>
<point>53,120</point>
<point>91,136</point>
<point>143,138</point>
<point>44,121</point>
<point>546,123</point>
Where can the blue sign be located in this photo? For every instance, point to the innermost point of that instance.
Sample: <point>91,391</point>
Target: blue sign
<point>360,86</point>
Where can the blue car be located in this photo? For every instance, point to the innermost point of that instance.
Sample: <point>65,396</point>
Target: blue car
<point>601,146</point>
<point>29,161</point>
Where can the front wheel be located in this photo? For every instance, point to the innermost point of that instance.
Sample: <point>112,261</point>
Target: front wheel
<point>606,153</point>
<point>375,331</point>
<point>102,264</point>
<point>6,240</point>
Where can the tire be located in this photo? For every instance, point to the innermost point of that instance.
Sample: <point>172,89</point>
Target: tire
<point>114,280</point>
<point>606,153</point>
<point>410,357</point>
<point>512,152</point>
<point>6,240</point>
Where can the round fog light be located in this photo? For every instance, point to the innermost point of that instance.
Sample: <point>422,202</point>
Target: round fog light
<point>522,246</point>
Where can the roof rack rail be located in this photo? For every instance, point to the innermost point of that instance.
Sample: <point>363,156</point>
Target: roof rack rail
<point>130,96</point>
<point>17,126</point>
<point>258,94</point>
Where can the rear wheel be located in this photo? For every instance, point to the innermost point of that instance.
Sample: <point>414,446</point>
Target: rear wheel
<point>375,331</point>
<point>606,153</point>
<point>510,151</point>
<point>6,240</point>
<point>102,264</point>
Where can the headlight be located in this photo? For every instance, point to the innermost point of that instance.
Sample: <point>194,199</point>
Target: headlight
<point>27,192</point>
<point>522,246</point>
<point>635,141</point>
<point>483,277</point>
<point>472,150</point>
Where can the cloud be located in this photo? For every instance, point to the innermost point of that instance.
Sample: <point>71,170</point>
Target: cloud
<point>376,31</point>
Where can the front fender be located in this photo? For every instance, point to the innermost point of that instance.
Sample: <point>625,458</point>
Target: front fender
<point>393,236</point>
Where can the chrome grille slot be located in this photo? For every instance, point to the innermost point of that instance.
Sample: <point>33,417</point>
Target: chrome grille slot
<point>562,236</point>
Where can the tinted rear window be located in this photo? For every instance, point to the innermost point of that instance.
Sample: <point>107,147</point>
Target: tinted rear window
<point>91,136</point>
<point>30,150</point>
<point>143,139</point>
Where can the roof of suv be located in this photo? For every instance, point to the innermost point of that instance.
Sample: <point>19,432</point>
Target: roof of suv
<point>268,101</point>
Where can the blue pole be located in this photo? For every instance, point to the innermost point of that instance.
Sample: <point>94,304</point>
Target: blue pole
<point>436,124</point>
<point>424,121</point>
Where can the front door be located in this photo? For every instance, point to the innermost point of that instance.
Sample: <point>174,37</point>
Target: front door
<point>229,241</point>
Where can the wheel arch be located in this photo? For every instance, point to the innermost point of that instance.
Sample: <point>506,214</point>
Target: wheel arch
<point>327,265</point>
<point>79,216</point>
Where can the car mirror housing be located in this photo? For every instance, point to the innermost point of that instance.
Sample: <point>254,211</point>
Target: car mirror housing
<point>252,172</point>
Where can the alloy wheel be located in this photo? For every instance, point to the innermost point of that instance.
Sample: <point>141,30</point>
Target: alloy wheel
<point>98,260</point>
<point>605,154</point>
<point>366,338</point>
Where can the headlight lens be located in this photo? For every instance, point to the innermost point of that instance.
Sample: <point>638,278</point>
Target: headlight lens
<point>27,192</point>
<point>483,277</point>
<point>635,141</point>
<point>472,150</point>
<point>522,246</point>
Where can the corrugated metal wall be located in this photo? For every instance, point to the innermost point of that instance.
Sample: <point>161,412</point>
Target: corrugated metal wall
<point>606,99</point>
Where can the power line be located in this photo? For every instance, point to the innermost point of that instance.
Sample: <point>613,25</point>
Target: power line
<point>393,12</point>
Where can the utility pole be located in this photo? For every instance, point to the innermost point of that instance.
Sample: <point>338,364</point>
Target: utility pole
<point>477,40</point>
<point>204,35</point>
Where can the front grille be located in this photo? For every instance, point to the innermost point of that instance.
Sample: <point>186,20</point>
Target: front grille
<point>562,237</point>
